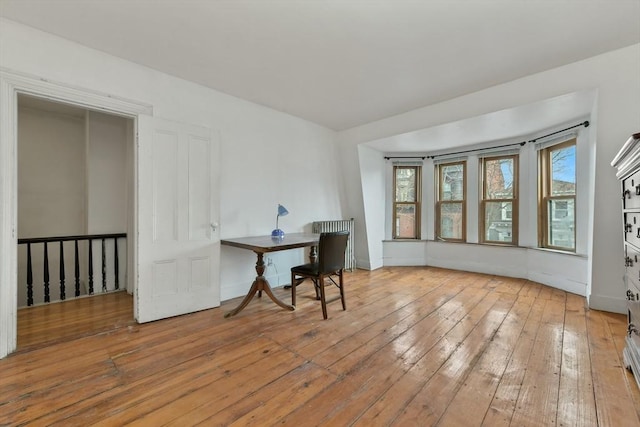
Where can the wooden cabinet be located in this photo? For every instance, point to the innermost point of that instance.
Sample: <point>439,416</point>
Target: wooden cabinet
<point>627,163</point>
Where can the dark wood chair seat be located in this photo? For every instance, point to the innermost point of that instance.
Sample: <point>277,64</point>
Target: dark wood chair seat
<point>327,271</point>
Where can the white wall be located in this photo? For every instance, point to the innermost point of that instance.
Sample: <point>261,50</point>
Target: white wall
<point>51,193</point>
<point>267,157</point>
<point>373,179</point>
<point>51,174</point>
<point>616,78</point>
<point>108,186</point>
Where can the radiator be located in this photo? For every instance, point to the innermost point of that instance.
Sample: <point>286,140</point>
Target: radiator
<point>339,225</point>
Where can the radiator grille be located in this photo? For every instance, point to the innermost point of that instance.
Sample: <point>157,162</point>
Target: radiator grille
<point>339,225</point>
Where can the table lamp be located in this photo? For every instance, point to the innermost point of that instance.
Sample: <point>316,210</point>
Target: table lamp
<point>277,233</point>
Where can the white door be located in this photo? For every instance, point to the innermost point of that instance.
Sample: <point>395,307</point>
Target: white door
<point>178,243</point>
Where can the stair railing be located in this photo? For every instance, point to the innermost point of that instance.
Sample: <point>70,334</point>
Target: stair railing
<point>46,241</point>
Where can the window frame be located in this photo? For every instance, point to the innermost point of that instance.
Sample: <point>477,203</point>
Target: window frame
<point>440,203</point>
<point>484,200</point>
<point>417,203</point>
<point>545,197</point>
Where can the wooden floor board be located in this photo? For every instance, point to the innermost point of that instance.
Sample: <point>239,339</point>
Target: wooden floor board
<point>576,404</point>
<point>273,401</point>
<point>537,401</point>
<point>472,400</point>
<point>432,401</point>
<point>385,331</point>
<point>502,407</point>
<point>434,354</point>
<point>416,346</point>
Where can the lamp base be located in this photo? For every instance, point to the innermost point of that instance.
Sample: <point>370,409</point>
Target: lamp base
<point>277,234</point>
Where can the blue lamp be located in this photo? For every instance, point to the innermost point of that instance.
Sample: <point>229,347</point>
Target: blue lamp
<point>277,233</point>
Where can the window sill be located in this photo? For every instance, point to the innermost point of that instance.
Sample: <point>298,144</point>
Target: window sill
<point>559,252</point>
<point>491,245</point>
<point>404,240</point>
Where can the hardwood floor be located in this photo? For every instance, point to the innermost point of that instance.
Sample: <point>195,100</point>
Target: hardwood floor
<point>417,346</point>
<point>50,323</point>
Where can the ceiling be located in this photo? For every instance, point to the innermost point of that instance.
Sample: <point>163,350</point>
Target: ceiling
<point>510,126</point>
<point>341,63</point>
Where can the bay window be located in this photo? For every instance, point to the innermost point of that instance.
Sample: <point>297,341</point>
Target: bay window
<point>557,196</point>
<point>451,202</point>
<point>406,202</point>
<point>499,200</point>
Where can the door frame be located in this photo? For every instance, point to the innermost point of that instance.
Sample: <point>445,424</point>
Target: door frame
<point>13,83</point>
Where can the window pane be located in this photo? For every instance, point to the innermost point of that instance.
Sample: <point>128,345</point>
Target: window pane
<point>405,221</point>
<point>562,220</point>
<point>563,171</point>
<point>405,184</point>
<point>452,182</point>
<point>451,220</point>
<point>498,175</point>
<point>406,202</point>
<point>498,221</point>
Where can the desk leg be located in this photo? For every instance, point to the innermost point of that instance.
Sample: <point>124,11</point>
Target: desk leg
<point>259,284</point>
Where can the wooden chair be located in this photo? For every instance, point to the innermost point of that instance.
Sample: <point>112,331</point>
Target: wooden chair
<point>330,265</point>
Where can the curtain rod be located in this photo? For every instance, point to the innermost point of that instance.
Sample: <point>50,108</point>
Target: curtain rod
<point>585,124</point>
<point>405,157</point>
<point>478,149</point>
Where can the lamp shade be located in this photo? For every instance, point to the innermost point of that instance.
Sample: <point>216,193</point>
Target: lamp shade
<point>282,211</point>
<point>277,233</point>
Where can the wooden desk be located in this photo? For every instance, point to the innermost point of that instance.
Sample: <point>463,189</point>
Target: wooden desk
<point>264,244</point>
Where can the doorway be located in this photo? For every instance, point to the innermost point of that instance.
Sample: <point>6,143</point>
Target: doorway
<point>186,156</point>
<point>75,191</point>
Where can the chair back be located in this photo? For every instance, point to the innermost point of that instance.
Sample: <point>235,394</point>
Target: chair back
<point>331,250</point>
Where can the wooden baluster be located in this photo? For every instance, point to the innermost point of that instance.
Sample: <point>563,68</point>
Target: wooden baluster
<point>62,290</point>
<point>46,273</point>
<point>104,268</point>
<point>77,270</point>
<point>29,277</point>
<point>115,261</point>
<point>90,267</point>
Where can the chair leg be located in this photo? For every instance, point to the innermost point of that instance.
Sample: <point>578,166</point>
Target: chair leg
<point>316,288</point>
<point>323,300</point>
<point>293,289</point>
<point>344,303</point>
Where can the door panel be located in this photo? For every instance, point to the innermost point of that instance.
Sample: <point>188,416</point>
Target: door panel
<point>165,278</point>
<point>178,249</point>
<point>199,190</point>
<point>165,185</point>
